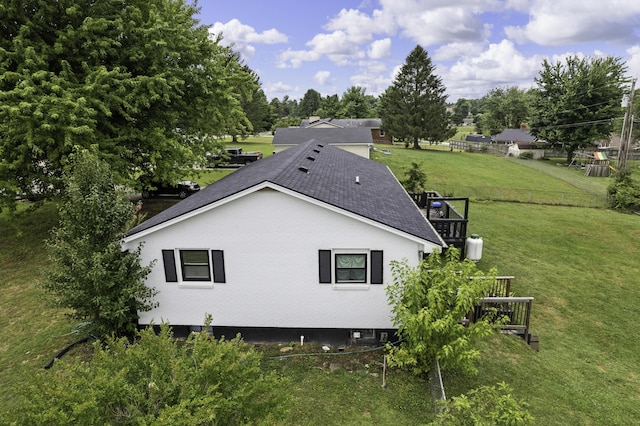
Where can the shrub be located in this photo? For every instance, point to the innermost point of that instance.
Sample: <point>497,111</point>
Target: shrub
<point>624,193</point>
<point>526,155</point>
<point>486,405</point>
<point>158,380</point>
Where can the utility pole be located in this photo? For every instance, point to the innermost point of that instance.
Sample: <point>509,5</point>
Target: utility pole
<point>625,137</point>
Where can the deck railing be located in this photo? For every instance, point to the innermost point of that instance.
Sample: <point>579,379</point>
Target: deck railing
<point>447,220</point>
<point>517,311</point>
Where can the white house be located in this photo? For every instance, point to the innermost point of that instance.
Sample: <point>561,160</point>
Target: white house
<point>298,243</point>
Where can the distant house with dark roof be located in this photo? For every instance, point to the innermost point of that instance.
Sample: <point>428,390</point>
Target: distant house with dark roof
<point>298,243</point>
<point>520,140</point>
<point>478,138</point>
<point>353,139</point>
<point>373,124</point>
<point>509,136</point>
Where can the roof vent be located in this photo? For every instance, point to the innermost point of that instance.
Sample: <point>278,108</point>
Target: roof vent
<point>311,158</point>
<point>358,180</point>
<point>303,169</point>
<point>317,151</point>
<point>320,145</point>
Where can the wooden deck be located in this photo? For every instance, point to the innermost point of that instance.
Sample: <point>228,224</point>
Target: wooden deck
<point>447,220</point>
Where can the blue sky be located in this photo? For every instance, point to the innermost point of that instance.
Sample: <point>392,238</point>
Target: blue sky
<point>476,45</point>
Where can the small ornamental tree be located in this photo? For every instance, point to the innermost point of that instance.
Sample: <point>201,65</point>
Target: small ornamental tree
<point>158,380</point>
<point>429,303</point>
<point>91,274</point>
<point>415,178</point>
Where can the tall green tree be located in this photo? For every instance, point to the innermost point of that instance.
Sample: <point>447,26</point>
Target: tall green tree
<point>310,103</point>
<point>429,303</point>
<point>576,101</point>
<point>91,275</point>
<point>259,111</point>
<point>414,107</point>
<point>158,381</point>
<point>330,106</point>
<point>141,78</point>
<point>504,108</point>
<point>461,110</point>
<point>247,83</point>
<point>355,103</point>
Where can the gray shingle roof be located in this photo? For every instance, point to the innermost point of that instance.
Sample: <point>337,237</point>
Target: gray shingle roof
<point>330,178</point>
<point>296,135</point>
<point>514,135</point>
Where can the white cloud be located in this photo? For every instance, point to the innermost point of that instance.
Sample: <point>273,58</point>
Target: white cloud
<point>294,58</point>
<point>498,66</point>
<point>380,49</point>
<point>633,63</point>
<point>558,22</point>
<point>240,36</point>
<point>434,22</point>
<point>321,77</point>
<point>277,88</point>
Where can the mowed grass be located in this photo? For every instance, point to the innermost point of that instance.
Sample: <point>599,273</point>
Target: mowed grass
<point>580,265</point>
<point>486,177</point>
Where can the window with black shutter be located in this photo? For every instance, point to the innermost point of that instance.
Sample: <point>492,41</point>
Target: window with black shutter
<point>169,261</point>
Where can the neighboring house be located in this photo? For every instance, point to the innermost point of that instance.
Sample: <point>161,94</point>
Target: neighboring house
<point>519,141</point>
<point>299,243</point>
<point>353,139</point>
<point>373,124</point>
<point>510,136</point>
<point>478,138</point>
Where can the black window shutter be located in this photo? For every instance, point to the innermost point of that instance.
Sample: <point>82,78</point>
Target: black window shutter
<point>377,265</point>
<point>169,260</point>
<point>324,257</point>
<point>217,256</point>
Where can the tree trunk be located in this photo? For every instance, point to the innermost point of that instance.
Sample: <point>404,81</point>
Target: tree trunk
<point>570,151</point>
<point>416,144</point>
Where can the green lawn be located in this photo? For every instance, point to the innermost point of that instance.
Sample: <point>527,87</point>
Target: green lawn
<point>486,177</point>
<point>580,265</point>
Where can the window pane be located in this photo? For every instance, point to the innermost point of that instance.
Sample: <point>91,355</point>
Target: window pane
<point>195,265</point>
<point>196,272</point>
<point>350,260</point>
<point>351,268</point>
<point>195,256</point>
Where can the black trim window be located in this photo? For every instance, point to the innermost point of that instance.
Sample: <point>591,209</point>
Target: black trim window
<point>351,268</point>
<point>345,266</point>
<point>195,265</point>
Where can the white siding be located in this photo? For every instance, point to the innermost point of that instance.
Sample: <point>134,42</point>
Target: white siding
<point>271,242</point>
<point>360,149</point>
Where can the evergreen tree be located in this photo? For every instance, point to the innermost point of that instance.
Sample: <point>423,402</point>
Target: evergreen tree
<point>414,106</point>
<point>576,102</point>
<point>310,103</point>
<point>91,274</point>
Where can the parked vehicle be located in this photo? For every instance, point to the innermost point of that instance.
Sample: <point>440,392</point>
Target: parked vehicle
<point>181,189</point>
<point>235,157</point>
